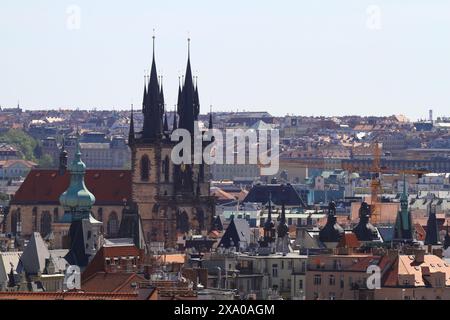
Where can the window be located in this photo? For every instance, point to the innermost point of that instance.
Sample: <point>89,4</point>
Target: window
<point>113,225</point>
<point>290,264</point>
<point>46,223</point>
<point>145,168</point>
<point>34,219</point>
<point>55,215</point>
<point>166,169</point>
<point>289,283</point>
<point>275,270</point>
<point>342,282</point>
<point>282,284</point>
<point>282,265</point>
<point>332,296</point>
<point>317,280</point>
<point>332,280</point>
<point>300,284</point>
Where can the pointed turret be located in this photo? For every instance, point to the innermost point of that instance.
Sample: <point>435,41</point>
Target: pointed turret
<point>403,225</point>
<point>131,134</point>
<point>153,105</point>
<point>432,236</point>
<point>63,156</point>
<point>196,100</point>
<point>210,125</point>
<point>188,106</point>
<point>269,225</point>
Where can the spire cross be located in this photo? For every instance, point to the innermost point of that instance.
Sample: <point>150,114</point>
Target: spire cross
<point>189,46</point>
<point>153,42</point>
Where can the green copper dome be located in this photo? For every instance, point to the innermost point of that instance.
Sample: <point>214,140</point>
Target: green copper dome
<point>77,198</point>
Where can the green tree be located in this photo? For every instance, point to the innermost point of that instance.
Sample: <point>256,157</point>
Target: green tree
<point>24,143</point>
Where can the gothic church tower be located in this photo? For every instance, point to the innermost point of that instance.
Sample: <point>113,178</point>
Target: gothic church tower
<point>172,200</point>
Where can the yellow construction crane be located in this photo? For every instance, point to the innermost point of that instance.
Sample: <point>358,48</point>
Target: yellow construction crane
<point>376,171</point>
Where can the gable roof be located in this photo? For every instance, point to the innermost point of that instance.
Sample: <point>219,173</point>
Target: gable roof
<point>110,187</point>
<point>34,255</point>
<point>239,231</point>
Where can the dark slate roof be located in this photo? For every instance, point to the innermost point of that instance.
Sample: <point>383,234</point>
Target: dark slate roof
<point>34,256</point>
<point>260,194</point>
<point>110,187</point>
<point>77,254</point>
<point>238,230</point>
<point>386,233</point>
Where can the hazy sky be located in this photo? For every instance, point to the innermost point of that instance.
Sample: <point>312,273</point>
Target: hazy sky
<point>303,57</point>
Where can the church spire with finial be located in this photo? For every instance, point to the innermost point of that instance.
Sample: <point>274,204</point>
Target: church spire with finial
<point>188,106</point>
<point>154,105</point>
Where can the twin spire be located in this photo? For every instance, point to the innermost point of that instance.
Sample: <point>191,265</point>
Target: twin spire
<point>153,105</point>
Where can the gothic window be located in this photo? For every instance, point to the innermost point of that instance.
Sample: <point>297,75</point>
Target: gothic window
<point>183,222</point>
<point>166,169</point>
<point>145,168</point>
<point>201,219</point>
<point>55,215</point>
<point>113,225</point>
<point>46,223</point>
<point>14,221</point>
<point>34,219</point>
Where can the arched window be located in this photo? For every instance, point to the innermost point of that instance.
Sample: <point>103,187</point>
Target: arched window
<point>201,219</point>
<point>34,219</point>
<point>183,222</point>
<point>166,169</point>
<point>145,168</point>
<point>46,223</point>
<point>56,215</point>
<point>14,222</point>
<point>113,225</point>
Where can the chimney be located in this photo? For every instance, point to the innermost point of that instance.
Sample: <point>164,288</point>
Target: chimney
<point>438,252</point>
<point>419,256</point>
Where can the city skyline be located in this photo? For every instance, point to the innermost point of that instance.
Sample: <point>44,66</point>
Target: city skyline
<point>359,58</point>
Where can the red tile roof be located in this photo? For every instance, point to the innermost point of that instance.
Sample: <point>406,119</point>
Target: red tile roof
<point>112,282</point>
<point>349,240</point>
<point>98,262</point>
<point>110,187</point>
<point>70,295</point>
